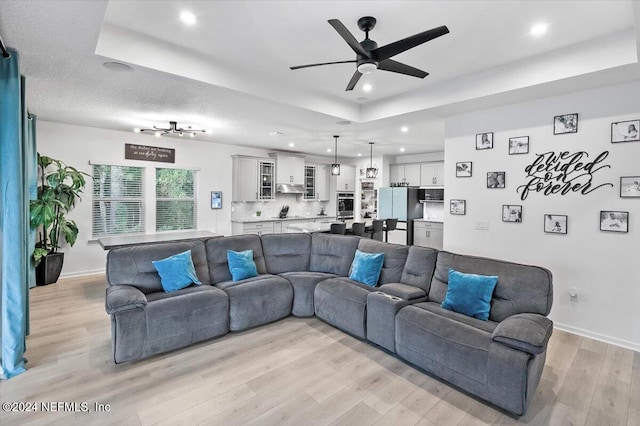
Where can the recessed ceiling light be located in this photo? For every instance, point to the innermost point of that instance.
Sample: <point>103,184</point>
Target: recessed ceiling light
<point>328,149</point>
<point>404,129</point>
<point>187,17</point>
<point>359,155</point>
<point>539,29</point>
<point>401,149</point>
<point>136,130</point>
<point>291,144</point>
<point>367,87</point>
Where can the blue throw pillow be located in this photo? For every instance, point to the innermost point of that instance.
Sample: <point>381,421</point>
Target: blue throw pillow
<point>176,272</point>
<point>470,294</point>
<point>241,264</point>
<point>366,267</point>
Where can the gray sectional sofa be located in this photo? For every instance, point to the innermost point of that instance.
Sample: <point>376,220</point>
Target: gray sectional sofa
<point>499,360</point>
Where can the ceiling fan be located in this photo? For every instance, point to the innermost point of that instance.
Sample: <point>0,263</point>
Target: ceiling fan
<point>370,57</point>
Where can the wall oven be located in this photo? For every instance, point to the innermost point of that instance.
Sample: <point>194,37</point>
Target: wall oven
<point>346,204</point>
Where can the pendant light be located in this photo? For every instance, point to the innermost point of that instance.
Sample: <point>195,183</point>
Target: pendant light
<point>335,167</point>
<point>371,172</point>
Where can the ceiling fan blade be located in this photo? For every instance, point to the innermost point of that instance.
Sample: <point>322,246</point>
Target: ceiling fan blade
<point>400,68</point>
<point>392,49</point>
<point>348,37</point>
<point>353,81</point>
<point>317,65</point>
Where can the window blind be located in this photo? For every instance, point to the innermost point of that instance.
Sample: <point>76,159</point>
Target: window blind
<point>118,200</point>
<point>175,199</point>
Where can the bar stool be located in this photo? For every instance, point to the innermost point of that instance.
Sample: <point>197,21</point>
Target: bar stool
<point>339,228</point>
<point>357,229</point>
<point>375,232</point>
<point>390,225</point>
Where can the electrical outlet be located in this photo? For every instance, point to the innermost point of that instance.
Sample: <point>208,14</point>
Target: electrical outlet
<point>482,226</point>
<point>573,294</point>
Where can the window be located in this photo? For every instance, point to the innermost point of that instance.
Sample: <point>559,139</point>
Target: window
<point>175,199</point>
<point>118,200</point>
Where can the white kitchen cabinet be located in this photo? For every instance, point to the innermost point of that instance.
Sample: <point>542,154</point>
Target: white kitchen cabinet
<point>289,169</point>
<point>316,182</point>
<point>252,179</point>
<point>346,181</point>
<point>432,174</point>
<point>428,234</point>
<point>408,174</point>
<point>258,228</point>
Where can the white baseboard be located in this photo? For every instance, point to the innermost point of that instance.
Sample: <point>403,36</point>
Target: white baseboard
<point>83,273</point>
<point>634,346</point>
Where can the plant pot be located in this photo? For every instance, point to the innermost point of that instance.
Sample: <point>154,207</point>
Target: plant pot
<point>48,271</point>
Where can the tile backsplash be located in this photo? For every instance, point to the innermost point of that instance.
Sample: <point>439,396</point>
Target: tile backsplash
<point>433,211</point>
<point>297,207</point>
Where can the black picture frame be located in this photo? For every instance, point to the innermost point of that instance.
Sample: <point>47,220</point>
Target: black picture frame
<point>614,221</point>
<point>629,186</point>
<point>565,123</point>
<point>216,200</point>
<point>458,207</point>
<point>625,131</point>
<point>484,140</point>
<point>556,224</point>
<point>511,213</point>
<point>519,145</point>
<point>464,169</point>
<point>496,180</point>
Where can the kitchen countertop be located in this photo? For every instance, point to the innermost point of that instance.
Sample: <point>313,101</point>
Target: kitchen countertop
<point>277,219</point>
<point>429,220</point>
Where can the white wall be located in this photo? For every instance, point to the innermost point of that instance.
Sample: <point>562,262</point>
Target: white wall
<point>602,266</point>
<point>77,146</point>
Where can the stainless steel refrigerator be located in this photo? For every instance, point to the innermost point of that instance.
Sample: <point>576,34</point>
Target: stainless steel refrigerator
<point>401,203</point>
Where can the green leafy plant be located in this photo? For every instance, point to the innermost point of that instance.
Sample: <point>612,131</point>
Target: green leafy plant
<point>59,189</point>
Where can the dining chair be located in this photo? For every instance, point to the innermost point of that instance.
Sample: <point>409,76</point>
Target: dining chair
<point>390,225</point>
<point>339,228</point>
<point>357,229</point>
<point>375,232</point>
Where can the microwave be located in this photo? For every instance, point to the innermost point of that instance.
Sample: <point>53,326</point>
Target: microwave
<point>431,194</point>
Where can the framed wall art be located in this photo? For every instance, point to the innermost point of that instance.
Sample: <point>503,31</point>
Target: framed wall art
<point>625,131</point>
<point>630,186</point>
<point>555,223</point>
<point>496,179</point>
<point>614,221</point>
<point>511,213</point>
<point>566,123</point>
<point>463,169</point>
<point>519,145</point>
<point>484,140</point>
<point>216,199</point>
<point>458,207</point>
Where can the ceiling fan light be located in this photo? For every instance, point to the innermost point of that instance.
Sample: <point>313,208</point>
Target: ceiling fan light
<point>367,68</point>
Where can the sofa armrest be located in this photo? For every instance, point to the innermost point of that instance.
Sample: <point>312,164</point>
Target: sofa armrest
<point>403,291</point>
<point>526,332</point>
<point>124,297</point>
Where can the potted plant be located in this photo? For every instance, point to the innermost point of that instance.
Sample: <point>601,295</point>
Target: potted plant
<point>59,187</point>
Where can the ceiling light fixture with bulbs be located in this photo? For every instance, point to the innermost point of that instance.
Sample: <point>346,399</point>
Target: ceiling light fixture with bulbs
<point>404,129</point>
<point>335,167</point>
<point>188,17</point>
<point>172,130</point>
<point>539,29</point>
<point>371,172</point>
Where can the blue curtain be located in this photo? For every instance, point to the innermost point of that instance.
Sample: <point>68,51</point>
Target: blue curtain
<point>16,160</point>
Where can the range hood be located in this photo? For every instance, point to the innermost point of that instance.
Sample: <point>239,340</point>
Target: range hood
<point>290,188</point>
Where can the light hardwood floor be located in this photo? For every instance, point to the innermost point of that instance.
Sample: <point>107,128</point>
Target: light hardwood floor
<point>297,371</point>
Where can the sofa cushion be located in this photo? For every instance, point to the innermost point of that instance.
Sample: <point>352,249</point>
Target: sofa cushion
<point>342,303</point>
<point>241,264</point>
<point>132,265</point>
<point>286,252</point>
<point>332,253</point>
<point>488,326</point>
<point>419,267</point>
<point>520,288</point>
<point>304,285</point>
<point>366,268</point>
<point>217,255</point>
<point>403,291</point>
<point>470,294</point>
<point>395,257</point>
<point>176,271</point>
